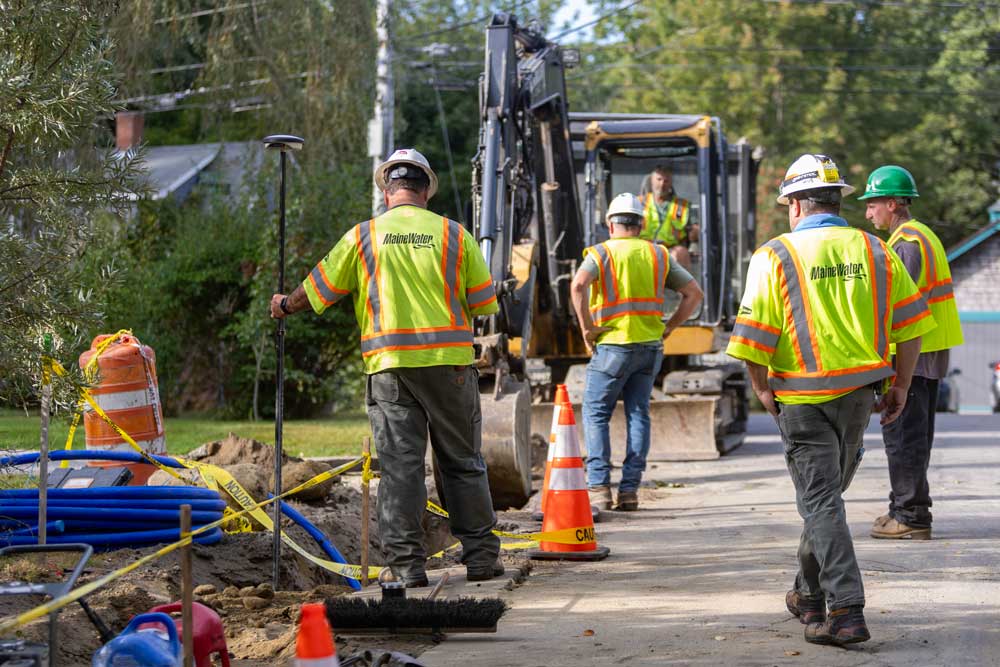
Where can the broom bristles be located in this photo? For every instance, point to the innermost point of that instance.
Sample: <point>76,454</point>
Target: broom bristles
<point>347,613</point>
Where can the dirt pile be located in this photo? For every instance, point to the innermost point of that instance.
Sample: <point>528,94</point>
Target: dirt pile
<point>233,577</point>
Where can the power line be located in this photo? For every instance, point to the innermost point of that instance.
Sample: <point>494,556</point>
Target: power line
<point>779,66</point>
<point>602,17</point>
<point>823,92</point>
<point>865,4</point>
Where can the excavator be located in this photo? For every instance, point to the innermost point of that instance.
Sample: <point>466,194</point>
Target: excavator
<point>542,178</point>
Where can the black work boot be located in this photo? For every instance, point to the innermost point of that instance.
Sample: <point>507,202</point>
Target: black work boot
<point>807,610</point>
<point>484,574</point>
<point>844,626</point>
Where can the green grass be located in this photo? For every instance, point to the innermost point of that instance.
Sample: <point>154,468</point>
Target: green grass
<point>338,436</point>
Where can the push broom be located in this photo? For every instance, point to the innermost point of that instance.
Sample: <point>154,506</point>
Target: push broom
<point>394,613</point>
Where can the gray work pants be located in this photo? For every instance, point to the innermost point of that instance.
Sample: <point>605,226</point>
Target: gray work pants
<point>823,450</point>
<point>404,405</point>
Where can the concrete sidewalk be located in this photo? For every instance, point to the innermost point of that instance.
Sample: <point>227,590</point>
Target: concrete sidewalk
<point>698,575</point>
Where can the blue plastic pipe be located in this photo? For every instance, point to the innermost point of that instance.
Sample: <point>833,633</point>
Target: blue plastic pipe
<point>31,529</point>
<point>320,538</point>
<point>119,540</point>
<point>138,504</point>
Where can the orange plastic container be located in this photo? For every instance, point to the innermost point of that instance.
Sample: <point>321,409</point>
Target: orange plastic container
<point>127,390</point>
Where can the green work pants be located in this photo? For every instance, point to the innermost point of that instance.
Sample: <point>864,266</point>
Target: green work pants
<point>404,406</point>
<point>823,449</point>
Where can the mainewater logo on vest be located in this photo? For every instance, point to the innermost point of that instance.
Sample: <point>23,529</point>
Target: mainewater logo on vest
<point>412,238</point>
<point>845,270</point>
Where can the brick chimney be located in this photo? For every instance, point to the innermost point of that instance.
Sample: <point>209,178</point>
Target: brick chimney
<point>128,129</point>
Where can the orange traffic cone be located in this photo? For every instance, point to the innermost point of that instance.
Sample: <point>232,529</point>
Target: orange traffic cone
<point>567,503</point>
<point>314,646</point>
<point>559,445</point>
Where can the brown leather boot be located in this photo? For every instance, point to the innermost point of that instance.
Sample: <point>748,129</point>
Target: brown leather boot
<point>807,610</point>
<point>843,626</point>
<point>628,501</point>
<point>600,497</point>
<point>895,530</point>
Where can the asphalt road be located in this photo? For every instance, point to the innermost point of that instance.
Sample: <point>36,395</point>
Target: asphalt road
<point>698,575</point>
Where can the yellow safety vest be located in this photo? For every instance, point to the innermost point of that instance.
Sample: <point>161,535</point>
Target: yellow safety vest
<point>417,280</point>
<point>628,293</point>
<point>671,229</point>
<point>820,309</point>
<point>934,284</point>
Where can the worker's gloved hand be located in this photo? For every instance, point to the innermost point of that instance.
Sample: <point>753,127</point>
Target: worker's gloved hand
<point>891,404</point>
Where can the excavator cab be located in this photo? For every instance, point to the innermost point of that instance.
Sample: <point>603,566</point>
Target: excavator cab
<point>541,181</point>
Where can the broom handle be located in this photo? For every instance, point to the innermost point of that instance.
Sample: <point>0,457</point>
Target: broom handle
<point>366,447</point>
<point>438,586</point>
<point>187,588</point>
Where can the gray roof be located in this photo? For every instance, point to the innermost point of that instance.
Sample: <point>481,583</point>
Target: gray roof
<point>170,169</point>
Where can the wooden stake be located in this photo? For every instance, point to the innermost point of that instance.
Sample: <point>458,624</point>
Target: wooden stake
<point>43,454</point>
<point>187,590</point>
<point>366,447</point>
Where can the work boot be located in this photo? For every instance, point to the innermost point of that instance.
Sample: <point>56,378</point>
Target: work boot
<point>600,497</point>
<point>844,626</point>
<point>805,609</point>
<point>484,574</point>
<point>628,501</point>
<point>894,530</point>
<point>881,521</point>
<point>418,580</point>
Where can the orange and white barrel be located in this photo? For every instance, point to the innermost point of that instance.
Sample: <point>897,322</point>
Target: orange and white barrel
<point>126,389</point>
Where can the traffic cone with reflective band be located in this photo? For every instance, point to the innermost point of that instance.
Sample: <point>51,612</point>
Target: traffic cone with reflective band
<point>558,439</point>
<point>567,503</point>
<point>314,646</point>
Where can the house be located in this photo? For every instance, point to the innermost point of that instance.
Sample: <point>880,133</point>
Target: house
<point>175,171</point>
<point>975,274</point>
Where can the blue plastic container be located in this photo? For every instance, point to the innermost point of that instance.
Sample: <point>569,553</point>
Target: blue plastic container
<point>149,647</point>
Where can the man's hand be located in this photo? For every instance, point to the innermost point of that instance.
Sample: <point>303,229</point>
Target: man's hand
<point>591,334</point>
<point>276,312</point>
<point>891,404</point>
<point>766,398</point>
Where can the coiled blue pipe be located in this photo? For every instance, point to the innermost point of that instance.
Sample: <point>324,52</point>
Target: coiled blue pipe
<point>135,495</point>
<point>117,540</point>
<point>320,538</point>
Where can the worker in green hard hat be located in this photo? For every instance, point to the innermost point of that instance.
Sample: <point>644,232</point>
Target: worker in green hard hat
<point>888,195</point>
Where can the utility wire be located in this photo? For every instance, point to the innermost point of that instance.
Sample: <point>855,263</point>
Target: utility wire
<point>614,12</point>
<point>822,92</point>
<point>779,66</point>
<point>865,4</point>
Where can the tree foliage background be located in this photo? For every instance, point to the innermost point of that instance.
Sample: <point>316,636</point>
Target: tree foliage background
<point>58,178</point>
<point>867,82</point>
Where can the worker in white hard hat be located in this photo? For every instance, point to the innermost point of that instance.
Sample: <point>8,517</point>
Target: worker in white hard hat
<point>821,307</point>
<point>618,295</point>
<point>417,279</point>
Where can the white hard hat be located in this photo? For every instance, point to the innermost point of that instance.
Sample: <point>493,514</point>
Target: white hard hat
<point>406,156</point>
<point>625,204</point>
<point>812,172</point>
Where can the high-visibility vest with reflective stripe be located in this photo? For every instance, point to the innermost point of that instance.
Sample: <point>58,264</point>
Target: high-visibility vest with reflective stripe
<point>417,280</point>
<point>934,284</point>
<point>820,310</point>
<point>671,228</point>
<point>628,293</point>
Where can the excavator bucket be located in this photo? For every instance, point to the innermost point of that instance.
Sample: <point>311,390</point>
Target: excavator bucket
<point>507,443</point>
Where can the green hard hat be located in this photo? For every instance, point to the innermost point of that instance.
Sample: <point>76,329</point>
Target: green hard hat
<point>890,181</point>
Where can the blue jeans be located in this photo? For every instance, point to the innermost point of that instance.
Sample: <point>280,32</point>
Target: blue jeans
<point>626,371</point>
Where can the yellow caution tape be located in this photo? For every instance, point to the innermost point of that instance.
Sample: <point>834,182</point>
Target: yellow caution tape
<point>85,395</point>
<point>220,479</point>
<point>576,535</point>
<point>89,373</point>
<point>352,571</point>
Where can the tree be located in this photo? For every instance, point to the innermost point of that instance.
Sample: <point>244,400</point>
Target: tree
<point>867,83</point>
<point>57,91</point>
